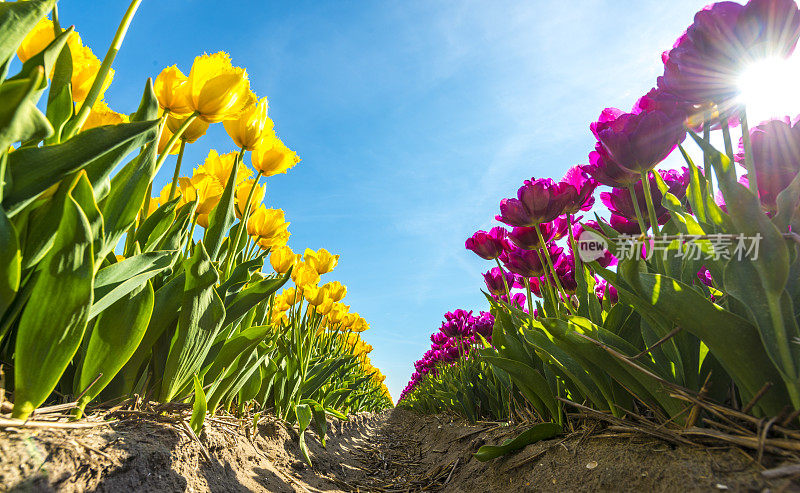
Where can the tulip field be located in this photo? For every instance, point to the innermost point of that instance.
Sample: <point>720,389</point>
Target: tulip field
<point>688,313</point>
<point>655,288</point>
<point>111,289</point>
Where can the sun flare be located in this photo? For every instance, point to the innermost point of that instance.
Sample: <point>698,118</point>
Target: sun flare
<point>771,88</point>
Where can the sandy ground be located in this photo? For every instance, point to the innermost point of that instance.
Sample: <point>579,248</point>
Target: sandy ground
<point>393,451</point>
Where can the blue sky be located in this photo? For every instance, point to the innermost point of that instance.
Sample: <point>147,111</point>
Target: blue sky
<point>413,120</point>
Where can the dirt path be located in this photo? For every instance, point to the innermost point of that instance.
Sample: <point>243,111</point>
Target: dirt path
<point>393,451</point>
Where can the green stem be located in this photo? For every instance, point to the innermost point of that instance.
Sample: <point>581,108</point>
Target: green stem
<point>546,255</point>
<point>188,121</point>
<point>748,154</point>
<point>726,137</point>
<point>549,289</point>
<point>530,298</point>
<point>77,122</point>
<point>726,132</point>
<point>505,281</point>
<point>174,186</point>
<point>648,197</point>
<point>637,209</point>
<point>191,234</point>
<point>242,222</point>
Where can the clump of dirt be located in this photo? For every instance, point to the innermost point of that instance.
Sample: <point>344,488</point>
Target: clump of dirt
<point>392,451</point>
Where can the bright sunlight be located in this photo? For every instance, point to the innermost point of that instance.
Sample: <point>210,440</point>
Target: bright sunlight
<point>769,88</point>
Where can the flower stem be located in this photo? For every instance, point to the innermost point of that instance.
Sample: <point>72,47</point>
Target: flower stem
<point>174,139</point>
<point>748,154</point>
<point>530,298</point>
<point>637,209</point>
<point>546,255</point>
<point>505,281</point>
<point>726,133</point>
<point>99,80</point>
<point>174,184</point>
<point>648,197</point>
<point>243,221</point>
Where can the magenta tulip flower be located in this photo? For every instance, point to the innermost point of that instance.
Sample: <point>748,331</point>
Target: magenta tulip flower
<point>639,141</point>
<point>606,171</point>
<point>577,187</point>
<point>776,157</point>
<point>487,245</point>
<point>494,280</point>
<point>538,201</point>
<point>526,262</point>
<point>705,62</point>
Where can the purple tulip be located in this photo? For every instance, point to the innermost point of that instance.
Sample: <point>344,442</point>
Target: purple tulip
<point>527,238</point>
<point>623,212</point>
<point>705,277</point>
<point>494,280</point>
<point>606,171</point>
<point>639,141</point>
<point>776,157</point>
<point>538,201</point>
<point>577,187</point>
<point>605,291</point>
<point>526,262</point>
<point>487,245</point>
<point>704,64</point>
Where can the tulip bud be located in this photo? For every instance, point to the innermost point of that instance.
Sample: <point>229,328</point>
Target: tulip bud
<point>217,90</point>
<point>172,91</point>
<point>252,127</point>
<point>272,157</point>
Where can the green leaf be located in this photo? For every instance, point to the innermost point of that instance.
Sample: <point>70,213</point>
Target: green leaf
<point>242,343</point>
<point>53,322</point>
<point>20,119</point>
<point>59,99</point>
<point>152,229</point>
<point>199,321</point>
<point>35,169</point>
<point>10,262</point>
<point>249,297</point>
<point>17,19</point>
<point>222,216</point>
<point>117,280</point>
<point>541,431</point>
<point>531,383</point>
<point>128,191</point>
<point>114,338</point>
<point>199,407</point>
<point>304,416</point>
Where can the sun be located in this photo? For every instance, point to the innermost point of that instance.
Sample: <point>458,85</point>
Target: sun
<point>771,88</point>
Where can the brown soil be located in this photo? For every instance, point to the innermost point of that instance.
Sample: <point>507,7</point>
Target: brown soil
<point>393,451</point>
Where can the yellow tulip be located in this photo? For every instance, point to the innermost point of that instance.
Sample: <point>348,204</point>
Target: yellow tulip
<point>315,295</point>
<point>291,296</point>
<point>243,191</point>
<point>271,157</point>
<point>251,127</point>
<point>217,90</point>
<point>172,91</point>
<point>278,240</point>
<point>84,70</point>
<point>207,191</point>
<point>196,129</point>
<point>304,275</point>
<point>84,64</point>
<point>42,35</point>
<point>321,260</point>
<point>281,258</point>
<point>325,307</point>
<point>218,168</point>
<point>279,318</point>
<point>336,290</point>
<point>266,223</point>
<point>164,140</point>
<point>101,115</point>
